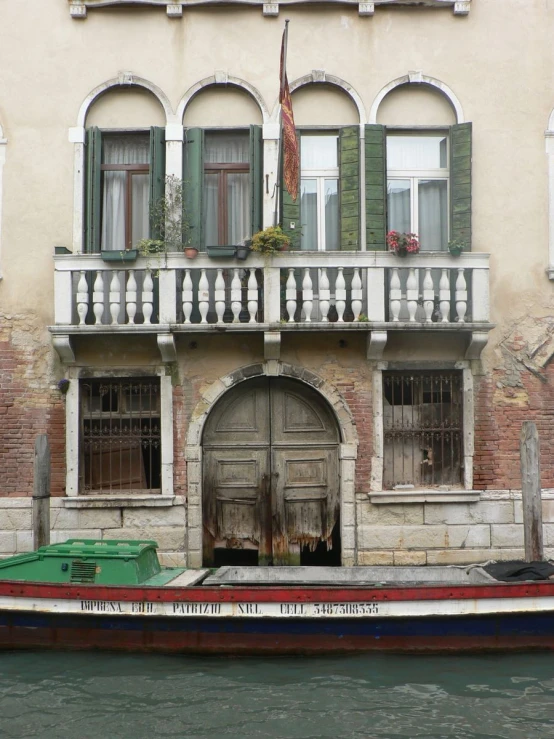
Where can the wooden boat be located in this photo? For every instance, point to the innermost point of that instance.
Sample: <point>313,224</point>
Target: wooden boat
<point>114,595</point>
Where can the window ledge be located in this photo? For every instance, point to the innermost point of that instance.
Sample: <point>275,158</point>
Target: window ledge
<point>424,496</point>
<point>122,501</point>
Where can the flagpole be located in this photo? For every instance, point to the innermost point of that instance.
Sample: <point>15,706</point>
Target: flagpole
<point>280,144</point>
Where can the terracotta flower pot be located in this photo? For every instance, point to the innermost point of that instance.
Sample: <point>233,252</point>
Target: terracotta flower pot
<point>191,252</point>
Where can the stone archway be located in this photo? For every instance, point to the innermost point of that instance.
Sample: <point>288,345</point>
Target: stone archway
<point>346,451</point>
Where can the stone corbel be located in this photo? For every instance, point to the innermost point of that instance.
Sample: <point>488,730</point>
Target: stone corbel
<point>77,10</point>
<point>62,344</point>
<point>367,8</point>
<point>462,7</point>
<point>376,342</point>
<point>166,345</point>
<point>477,343</point>
<point>174,10</point>
<point>272,345</point>
<point>271,9</point>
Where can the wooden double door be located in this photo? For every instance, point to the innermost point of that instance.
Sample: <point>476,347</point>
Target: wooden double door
<point>270,476</point>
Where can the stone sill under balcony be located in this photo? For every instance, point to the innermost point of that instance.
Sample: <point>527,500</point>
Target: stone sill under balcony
<point>372,292</point>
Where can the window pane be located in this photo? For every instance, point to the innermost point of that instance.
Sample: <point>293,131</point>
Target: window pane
<point>128,149</point>
<point>308,210</point>
<point>433,214</point>
<point>319,152</point>
<point>139,213</point>
<point>398,206</point>
<point>226,148</point>
<point>113,211</point>
<point>332,240</point>
<point>238,207</point>
<point>211,209</point>
<point>416,152</point>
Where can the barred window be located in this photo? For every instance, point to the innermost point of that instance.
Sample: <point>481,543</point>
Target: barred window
<point>120,435</point>
<point>422,420</point>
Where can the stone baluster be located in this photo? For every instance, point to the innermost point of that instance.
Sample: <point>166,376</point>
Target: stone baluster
<point>290,294</point>
<point>252,295</point>
<point>98,297</point>
<point>147,296</point>
<point>203,296</point>
<point>187,296</point>
<point>82,297</point>
<point>324,294</point>
<point>356,293</point>
<point>340,295</point>
<point>236,296</point>
<point>412,293</point>
<point>131,296</point>
<point>219,295</point>
<point>428,295</point>
<point>115,297</point>
<point>307,295</point>
<point>461,295</point>
<point>444,296</point>
<point>395,294</point>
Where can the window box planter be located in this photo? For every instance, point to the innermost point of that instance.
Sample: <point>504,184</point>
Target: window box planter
<point>218,252</point>
<point>123,255</point>
<point>242,252</point>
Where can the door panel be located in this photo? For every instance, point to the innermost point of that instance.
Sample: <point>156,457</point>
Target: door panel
<point>270,472</point>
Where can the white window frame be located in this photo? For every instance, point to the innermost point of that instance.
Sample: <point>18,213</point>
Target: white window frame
<point>415,175</point>
<point>320,175</point>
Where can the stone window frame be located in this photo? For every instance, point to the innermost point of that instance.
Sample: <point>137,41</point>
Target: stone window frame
<point>348,447</point>
<point>72,435</point>
<point>549,145</point>
<point>377,494</point>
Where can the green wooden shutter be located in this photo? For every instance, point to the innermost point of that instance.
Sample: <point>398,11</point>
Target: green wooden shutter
<point>193,181</point>
<point>349,168</point>
<point>290,209</point>
<point>256,178</point>
<point>460,182</point>
<point>93,190</point>
<point>157,173</point>
<point>376,187</point>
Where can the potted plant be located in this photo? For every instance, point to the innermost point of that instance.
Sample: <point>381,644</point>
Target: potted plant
<point>270,240</point>
<point>456,247</point>
<point>402,244</point>
<point>168,225</point>
<point>244,249</point>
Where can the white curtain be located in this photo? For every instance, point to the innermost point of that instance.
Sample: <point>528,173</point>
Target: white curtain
<point>433,214</point>
<point>398,206</point>
<point>124,150</point>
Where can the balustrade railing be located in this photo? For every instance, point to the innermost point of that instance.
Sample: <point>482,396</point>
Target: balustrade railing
<point>293,289</point>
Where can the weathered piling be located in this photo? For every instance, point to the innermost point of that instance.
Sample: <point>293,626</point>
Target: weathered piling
<point>531,492</point>
<point>41,493</point>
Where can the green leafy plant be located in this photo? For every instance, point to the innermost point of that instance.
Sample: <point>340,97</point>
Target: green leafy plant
<point>362,318</point>
<point>270,240</point>
<point>168,225</point>
<point>457,246</point>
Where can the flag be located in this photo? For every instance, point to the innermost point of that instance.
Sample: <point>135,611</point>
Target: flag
<point>291,162</point>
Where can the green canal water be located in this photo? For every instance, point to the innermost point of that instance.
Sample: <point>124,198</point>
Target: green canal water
<point>97,695</point>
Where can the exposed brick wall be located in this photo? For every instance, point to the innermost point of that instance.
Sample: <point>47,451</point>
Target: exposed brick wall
<point>500,411</point>
<point>29,406</point>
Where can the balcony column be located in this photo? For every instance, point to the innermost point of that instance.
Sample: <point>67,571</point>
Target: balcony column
<point>270,185</point>
<point>272,294</point>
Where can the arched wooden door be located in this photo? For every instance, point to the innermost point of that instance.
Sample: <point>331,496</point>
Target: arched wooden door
<point>270,476</point>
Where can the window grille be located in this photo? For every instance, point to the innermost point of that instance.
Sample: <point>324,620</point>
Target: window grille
<point>423,438</point>
<point>121,435</point>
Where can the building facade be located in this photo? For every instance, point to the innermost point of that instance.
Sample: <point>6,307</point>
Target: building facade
<point>336,403</point>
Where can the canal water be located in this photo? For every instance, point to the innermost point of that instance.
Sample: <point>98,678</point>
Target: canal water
<point>97,695</point>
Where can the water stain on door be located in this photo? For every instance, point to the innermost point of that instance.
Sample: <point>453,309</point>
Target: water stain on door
<point>271,481</point>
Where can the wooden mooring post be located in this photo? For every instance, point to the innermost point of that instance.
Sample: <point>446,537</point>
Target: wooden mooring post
<point>531,492</point>
<point>41,493</point>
